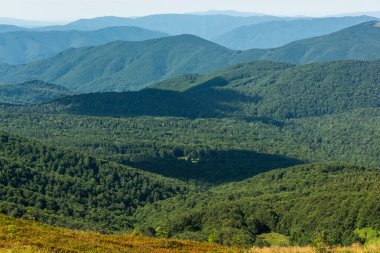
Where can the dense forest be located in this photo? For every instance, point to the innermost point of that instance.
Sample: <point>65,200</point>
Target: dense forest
<point>31,92</point>
<point>274,91</point>
<point>68,189</point>
<point>296,202</point>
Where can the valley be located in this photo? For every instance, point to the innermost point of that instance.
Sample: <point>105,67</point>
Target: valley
<point>145,135</point>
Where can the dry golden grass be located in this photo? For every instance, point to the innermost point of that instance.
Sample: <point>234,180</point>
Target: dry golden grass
<point>283,250</point>
<point>375,248</point>
<point>21,236</point>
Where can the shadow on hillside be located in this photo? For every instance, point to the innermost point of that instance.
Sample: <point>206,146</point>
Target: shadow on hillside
<point>208,100</point>
<point>214,167</point>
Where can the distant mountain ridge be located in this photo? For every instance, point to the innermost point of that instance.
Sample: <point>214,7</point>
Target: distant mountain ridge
<point>229,13</point>
<point>21,47</point>
<point>205,26</point>
<point>122,66</point>
<point>11,28</point>
<point>279,33</point>
<point>360,42</point>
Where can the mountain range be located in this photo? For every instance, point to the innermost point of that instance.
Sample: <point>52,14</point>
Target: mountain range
<point>205,26</point>
<point>27,46</point>
<point>279,33</point>
<point>19,45</point>
<point>121,66</point>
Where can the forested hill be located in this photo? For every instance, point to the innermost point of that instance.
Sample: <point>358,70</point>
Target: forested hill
<point>74,190</point>
<point>296,202</point>
<point>27,46</point>
<point>122,66</point>
<point>255,90</point>
<point>31,92</point>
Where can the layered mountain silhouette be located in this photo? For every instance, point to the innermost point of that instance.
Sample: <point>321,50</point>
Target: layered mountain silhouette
<point>121,66</point>
<point>27,46</point>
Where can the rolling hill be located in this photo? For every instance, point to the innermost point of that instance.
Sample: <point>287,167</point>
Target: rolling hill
<point>74,190</point>
<point>296,202</point>
<point>27,46</point>
<point>122,66</point>
<point>31,92</point>
<point>279,33</point>
<point>254,90</point>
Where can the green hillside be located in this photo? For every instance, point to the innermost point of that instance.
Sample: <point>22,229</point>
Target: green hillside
<point>27,46</point>
<point>73,190</point>
<point>247,91</point>
<point>31,92</point>
<point>279,33</point>
<point>296,202</point>
<point>121,66</point>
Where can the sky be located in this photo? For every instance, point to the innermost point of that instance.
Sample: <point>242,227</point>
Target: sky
<point>67,10</point>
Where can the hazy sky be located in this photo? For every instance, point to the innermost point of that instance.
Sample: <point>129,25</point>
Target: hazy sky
<point>74,9</point>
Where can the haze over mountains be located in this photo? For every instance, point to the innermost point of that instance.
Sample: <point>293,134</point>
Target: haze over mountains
<point>205,26</point>
<point>278,33</point>
<point>27,46</point>
<point>122,66</point>
<point>33,44</point>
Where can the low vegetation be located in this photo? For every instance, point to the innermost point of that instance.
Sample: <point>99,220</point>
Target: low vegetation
<point>26,237</point>
<point>22,236</point>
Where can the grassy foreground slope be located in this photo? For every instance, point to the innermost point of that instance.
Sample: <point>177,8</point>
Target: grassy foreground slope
<point>18,235</point>
<point>22,236</point>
